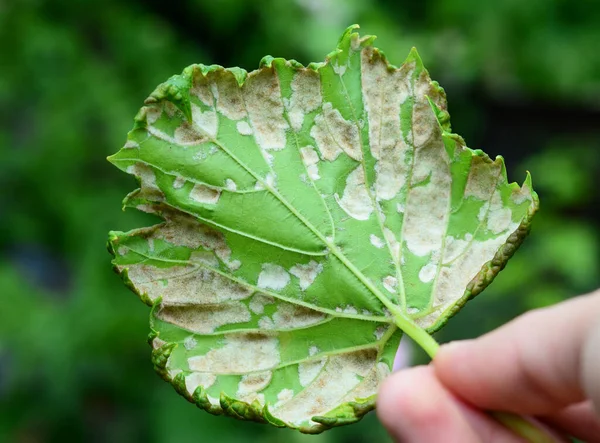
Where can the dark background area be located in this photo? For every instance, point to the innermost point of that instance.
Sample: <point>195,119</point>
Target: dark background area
<point>523,81</point>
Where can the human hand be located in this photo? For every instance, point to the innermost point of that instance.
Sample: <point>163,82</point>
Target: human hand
<point>545,364</point>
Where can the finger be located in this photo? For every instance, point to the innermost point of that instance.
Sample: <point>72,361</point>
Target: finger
<point>415,407</point>
<point>579,421</point>
<point>590,366</point>
<point>529,366</point>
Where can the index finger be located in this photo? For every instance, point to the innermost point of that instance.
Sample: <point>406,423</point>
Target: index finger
<point>531,365</point>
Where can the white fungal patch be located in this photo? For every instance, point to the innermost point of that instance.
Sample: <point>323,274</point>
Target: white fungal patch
<point>183,230</point>
<point>313,172</point>
<point>205,258</point>
<point>356,41</point>
<point>425,127</point>
<point>214,401</point>
<point>130,144</point>
<point>325,142</point>
<point>283,396</point>
<point>339,69</point>
<point>262,97</point>
<point>483,178</point>
<point>271,179</point>
<point>424,229</point>
<point>204,319</point>
<point>230,185</point>
<point>455,247</point>
<point>186,285</point>
<point>204,194</point>
<point>259,301</point>
<point>273,277</point>
<point>499,217</point>
<point>268,157</point>
<point>200,155</point>
<point>307,273</point>
<point>308,371</point>
<point>326,385</point>
<point>400,208</point>
<point>201,89</point>
<point>379,332</point>
<point>376,241</point>
<point>123,250</point>
<point>205,121</point>
<point>310,159</point>
<point>393,244</point>
<point>291,316</point>
<point>427,272</point>
<point>204,127</point>
<point>266,323</point>
<point>148,208</point>
<point>390,283</point>
<point>174,372</point>
<point>240,354</point>
<point>369,384</point>
<point>348,309</point>
<point>227,93</point>
<point>243,128</point>
<point>521,195</point>
<point>313,350</point>
<point>178,182</point>
<point>384,91</point>
<point>195,379</point>
<point>147,177</point>
<point>253,383</point>
<point>306,96</point>
<point>334,134</point>
<point>356,201</point>
<point>190,342</point>
<point>158,343</point>
<point>483,211</point>
<point>153,113</point>
<point>454,277</point>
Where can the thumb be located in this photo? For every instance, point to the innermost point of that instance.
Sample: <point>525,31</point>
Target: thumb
<point>531,365</point>
<point>590,365</point>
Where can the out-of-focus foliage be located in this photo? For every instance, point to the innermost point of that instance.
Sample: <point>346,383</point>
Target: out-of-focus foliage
<point>523,80</point>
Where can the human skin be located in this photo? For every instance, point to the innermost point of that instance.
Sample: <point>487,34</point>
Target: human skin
<point>544,364</point>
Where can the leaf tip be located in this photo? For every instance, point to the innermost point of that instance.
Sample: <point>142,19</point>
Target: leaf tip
<point>349,42</point>
<point>239,74</point>
<point>414,57</point>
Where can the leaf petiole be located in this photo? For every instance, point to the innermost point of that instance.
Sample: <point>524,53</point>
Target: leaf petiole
<point>418,334</point>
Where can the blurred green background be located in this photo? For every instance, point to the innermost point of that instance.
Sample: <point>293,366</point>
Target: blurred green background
<point>523,80</point>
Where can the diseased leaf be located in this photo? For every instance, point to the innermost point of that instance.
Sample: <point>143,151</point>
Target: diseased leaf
<point>308,213</point>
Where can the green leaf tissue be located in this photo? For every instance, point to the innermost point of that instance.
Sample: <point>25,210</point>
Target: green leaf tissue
<point>312,216</point>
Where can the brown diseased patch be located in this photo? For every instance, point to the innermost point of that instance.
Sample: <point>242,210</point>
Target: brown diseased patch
<point>240,354</point>
<point>336,379</point>
<point>262,98</point>
<point>204,319</point>
<point>384,91</point>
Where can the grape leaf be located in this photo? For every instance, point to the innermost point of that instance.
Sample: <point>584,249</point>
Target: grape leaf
<point>309,213</point>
